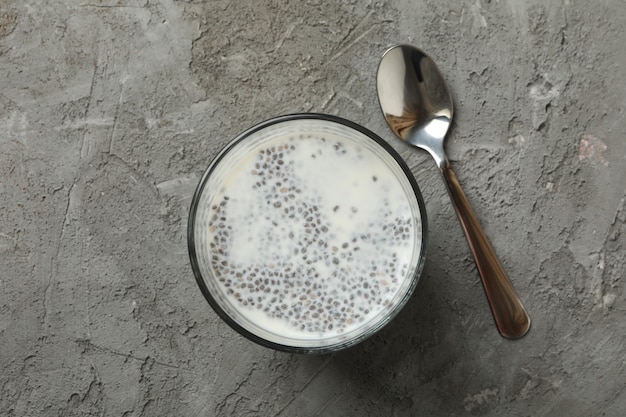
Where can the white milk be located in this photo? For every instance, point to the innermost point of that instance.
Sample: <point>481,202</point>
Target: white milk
<point>310,236</point>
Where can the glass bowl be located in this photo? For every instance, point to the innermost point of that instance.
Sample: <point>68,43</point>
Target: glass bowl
<point>307,233</point>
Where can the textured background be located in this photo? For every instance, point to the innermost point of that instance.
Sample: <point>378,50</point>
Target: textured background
<point>111,109</point>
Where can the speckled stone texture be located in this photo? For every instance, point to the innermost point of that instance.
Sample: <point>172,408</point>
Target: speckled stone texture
<point>110,110</point>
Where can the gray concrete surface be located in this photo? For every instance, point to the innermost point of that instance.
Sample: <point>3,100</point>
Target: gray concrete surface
<point>110,110</point>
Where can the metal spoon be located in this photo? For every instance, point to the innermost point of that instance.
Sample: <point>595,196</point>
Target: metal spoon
<point>417,104</point>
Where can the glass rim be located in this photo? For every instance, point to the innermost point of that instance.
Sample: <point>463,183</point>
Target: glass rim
<point>215,304</point>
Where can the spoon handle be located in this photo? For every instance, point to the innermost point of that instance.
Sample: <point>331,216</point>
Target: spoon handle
<point>510,316</point>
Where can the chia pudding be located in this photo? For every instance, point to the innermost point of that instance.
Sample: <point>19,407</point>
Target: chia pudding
<point>310,232</point>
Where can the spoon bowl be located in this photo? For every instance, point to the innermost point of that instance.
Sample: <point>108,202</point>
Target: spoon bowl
<point>417,105</point>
